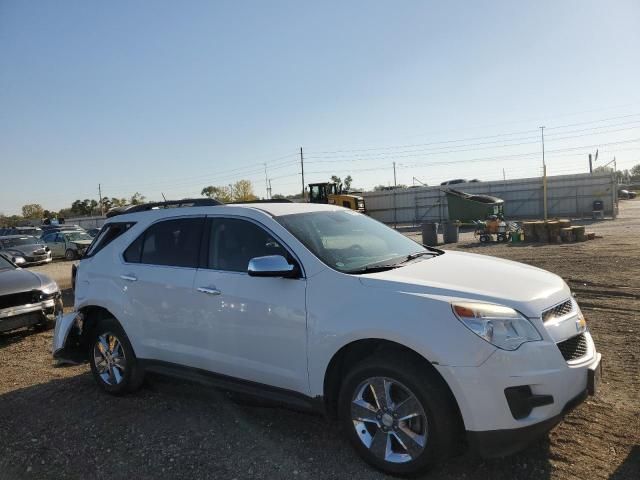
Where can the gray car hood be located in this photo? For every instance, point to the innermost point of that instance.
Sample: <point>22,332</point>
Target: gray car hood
<point>19,280</point>
<point>25,249</point>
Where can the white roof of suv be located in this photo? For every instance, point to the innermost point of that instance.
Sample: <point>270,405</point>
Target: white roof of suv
<point>277,209</point>
<point>274,209</point>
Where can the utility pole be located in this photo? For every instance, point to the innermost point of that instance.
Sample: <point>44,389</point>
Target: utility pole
<point>100,199</point>
<point>302,167</point>
<point>590,164</point>
<point>544,177</point>
<point>269,189</point>
<point>504,175</point>
<point>395,184</point>
<point>266,181</point>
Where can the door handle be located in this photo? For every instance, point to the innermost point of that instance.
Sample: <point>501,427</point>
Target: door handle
<point>209,290</point>
<point>129,278</point>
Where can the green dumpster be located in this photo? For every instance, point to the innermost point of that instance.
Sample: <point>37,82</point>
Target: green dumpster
<point>467,207</point>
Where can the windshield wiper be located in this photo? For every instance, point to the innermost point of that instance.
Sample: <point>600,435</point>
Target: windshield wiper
<point>372,269</point>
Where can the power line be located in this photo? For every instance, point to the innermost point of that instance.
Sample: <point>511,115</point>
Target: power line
<point>531,132</point>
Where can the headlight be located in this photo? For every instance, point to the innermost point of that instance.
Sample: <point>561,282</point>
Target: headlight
<point>50,288</point>
<point>499,325</point>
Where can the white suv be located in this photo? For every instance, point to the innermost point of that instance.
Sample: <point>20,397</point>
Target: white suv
<point>412,348</point>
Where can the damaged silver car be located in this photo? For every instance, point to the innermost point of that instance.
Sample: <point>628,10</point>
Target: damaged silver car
<point>26,298</point>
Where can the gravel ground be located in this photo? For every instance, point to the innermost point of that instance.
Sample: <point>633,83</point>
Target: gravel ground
<point>55,423</point>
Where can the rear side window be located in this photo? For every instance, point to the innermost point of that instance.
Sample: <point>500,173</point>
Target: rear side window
<point>171,242</point>
<point>108,234</point>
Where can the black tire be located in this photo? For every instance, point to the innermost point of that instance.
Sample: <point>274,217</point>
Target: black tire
<point>442,417</point>
<point>70,254</point>
<point>131,375</point>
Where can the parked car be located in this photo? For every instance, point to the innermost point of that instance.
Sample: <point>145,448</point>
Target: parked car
<point>68,244</point>
<point>328,309</point>
<point>26,298</point>
<point>624,194</point>
<point>93,232</point>
<point>35,231</point>
<point>46,229</point>
<point>31,249</point>
<point>455,182</point>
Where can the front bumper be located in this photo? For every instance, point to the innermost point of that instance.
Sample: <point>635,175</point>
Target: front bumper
<point>37,260</point>
<point>67,339</point>
<point>30,314</point>
<point>499,443</point>
<point>486,412</point>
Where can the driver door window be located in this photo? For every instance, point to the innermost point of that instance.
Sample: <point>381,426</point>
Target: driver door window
<point>233,242</point>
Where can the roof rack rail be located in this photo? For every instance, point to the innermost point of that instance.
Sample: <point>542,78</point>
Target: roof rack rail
<point>271,200</point>
<point>143,207</point>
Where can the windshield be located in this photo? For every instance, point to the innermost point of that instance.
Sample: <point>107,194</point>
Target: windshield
<point>14,242</point>
<point>75,236</point>
<point>4,263</point>
<point>350,242</point>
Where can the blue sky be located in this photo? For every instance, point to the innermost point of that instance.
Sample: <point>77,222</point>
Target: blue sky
<point>172,96</point>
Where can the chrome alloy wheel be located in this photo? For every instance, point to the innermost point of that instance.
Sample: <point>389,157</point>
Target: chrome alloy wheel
<point>389,420</point>
<point>109,359</point>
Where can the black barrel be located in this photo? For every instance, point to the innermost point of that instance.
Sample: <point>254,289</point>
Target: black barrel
<point>430,234</point>
<point>450,232</point>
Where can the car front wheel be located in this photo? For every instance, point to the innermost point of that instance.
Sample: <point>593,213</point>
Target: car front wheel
<point>397,416</point>
<point>70,254</point>
<point>112,360</point>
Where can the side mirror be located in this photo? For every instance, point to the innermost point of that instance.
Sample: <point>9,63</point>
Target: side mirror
<point>272,266</point>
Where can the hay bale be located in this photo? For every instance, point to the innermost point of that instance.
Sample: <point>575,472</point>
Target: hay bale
<point>542,234</point>
<point>564,223</point>
<point>553,227</point>
<point>578,233</point>
<point>529,231</point>
<point>566,234</point>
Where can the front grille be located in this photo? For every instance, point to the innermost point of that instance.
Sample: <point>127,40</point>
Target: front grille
<point>557,311</point>
<point>18,299</point>
<point>573,348</point>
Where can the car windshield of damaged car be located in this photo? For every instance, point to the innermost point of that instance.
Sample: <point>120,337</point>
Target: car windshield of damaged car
<point>14,242</point>
<point>75,236</point>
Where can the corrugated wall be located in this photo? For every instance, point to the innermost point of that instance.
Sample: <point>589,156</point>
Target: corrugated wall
<point>567,196</point>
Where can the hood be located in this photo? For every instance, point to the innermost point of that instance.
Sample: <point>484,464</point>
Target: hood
<point>527,289</point>
<point>19,280</point>
<point>82,243</point>
<point>28,250</point>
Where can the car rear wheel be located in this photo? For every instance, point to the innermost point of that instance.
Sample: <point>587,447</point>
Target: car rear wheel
<point>70,254</point>
<point>398,418</point>
<point>113,362</point>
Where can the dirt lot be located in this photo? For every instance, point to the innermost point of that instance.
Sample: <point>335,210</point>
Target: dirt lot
<point>55,423</point>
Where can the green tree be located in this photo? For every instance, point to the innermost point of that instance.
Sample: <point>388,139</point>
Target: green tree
<point>222,194</point>
<point>347,182</point>
<point>635,170</point>
<point>32,211</point>
<point>84,207</point>
<point>137,198</point>
<point>243,191</point>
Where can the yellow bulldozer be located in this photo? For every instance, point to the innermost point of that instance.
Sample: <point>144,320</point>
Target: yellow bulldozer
<point>331,193</point>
